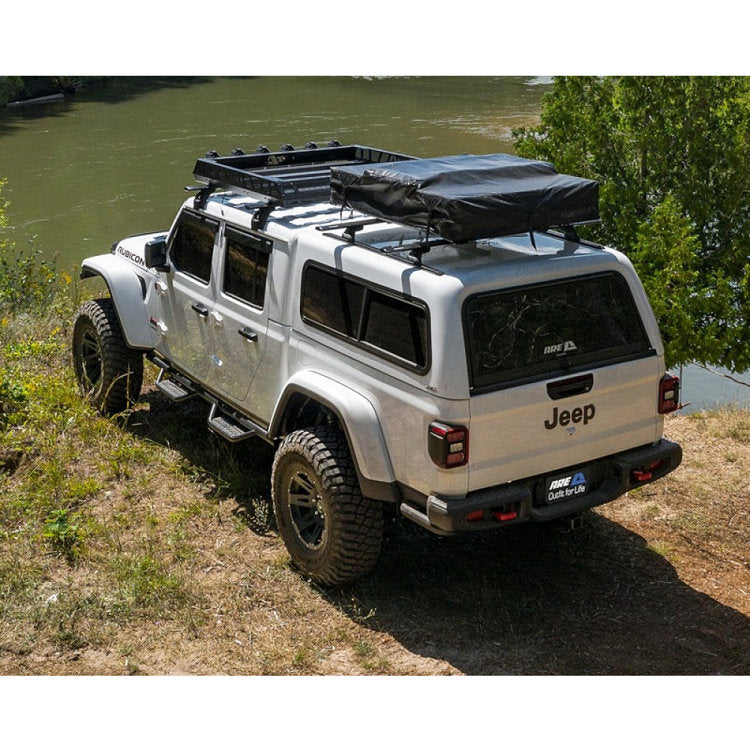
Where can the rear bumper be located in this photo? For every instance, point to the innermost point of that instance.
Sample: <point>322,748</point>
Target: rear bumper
<point>525,500</point>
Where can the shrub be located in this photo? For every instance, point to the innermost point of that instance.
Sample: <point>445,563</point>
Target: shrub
<point>28,280</point>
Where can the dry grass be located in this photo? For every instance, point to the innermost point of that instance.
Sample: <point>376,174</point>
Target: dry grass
<point>145,546</point>
<point>702,511</point>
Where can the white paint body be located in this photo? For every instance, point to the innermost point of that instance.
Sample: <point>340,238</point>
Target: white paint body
<point>387,408</point>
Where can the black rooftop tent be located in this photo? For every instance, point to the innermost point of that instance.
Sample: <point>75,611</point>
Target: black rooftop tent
<point>468,197</point>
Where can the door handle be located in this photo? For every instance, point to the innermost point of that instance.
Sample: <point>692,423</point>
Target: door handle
<point>568,387</point>
<point>248,333</point>
<point>202,310</point>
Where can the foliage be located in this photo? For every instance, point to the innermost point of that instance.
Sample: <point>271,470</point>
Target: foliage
<point>671,156</point>
<point>13,396</point>
<point>9,86</point>
<point>63,529</point>
<point>665,253</point>
<point>28,281</point>
<point>37,348</point>
<point>144,582</point>
<point>29,87</point>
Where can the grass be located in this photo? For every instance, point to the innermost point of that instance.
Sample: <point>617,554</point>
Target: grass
<point>109,530</point>
<point>662,549</point>
<point>144,545</point>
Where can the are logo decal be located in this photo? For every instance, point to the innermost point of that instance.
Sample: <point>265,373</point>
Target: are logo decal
<point>564,488</point>
<point>561,348</point>
<point>571,481</point>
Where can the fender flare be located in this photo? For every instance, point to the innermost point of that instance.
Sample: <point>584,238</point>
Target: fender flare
<point>358,420</point>
<point>128,292</point>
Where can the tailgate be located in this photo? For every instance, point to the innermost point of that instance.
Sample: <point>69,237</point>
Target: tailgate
<point>561,373</point>
<point>522,431</point>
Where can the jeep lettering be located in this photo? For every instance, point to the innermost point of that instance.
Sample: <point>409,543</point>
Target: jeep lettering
<point>565,417</point>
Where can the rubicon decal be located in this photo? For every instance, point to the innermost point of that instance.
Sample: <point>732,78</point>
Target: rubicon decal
<point>130,255</point>
<point>564,417</point>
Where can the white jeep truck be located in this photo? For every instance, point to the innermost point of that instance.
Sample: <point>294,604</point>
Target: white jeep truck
<point>429,333</point>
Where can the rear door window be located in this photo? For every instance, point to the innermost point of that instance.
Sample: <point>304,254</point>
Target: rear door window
<point>535,332</point>
<point>192,243</point>
<point>332,301</point>
<point>246,266</point>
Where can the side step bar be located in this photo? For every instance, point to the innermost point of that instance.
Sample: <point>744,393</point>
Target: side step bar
<point>172,388</point>
<point>222,419</point>
<point>223,424</point>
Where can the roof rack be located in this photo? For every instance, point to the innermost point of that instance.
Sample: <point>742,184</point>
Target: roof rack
<point>413,250</point>
<point>288,177</point>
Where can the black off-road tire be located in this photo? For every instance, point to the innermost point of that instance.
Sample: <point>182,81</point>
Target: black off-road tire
<point>109,372</point>
<point>333,534</point>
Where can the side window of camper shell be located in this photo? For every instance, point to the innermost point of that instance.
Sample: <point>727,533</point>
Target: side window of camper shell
<point>390,325</point>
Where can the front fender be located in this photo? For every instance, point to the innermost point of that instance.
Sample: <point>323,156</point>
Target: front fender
<point>128,291</point>
<point>359,421</point>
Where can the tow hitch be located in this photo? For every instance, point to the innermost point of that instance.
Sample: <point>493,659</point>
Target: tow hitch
<point>574,523</point>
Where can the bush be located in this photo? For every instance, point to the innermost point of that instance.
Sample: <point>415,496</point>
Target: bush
<point>13,396</point>
<point>28,281</point>
<point>9,87</point>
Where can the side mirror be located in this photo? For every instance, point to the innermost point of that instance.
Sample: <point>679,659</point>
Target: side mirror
<point>155,254</point>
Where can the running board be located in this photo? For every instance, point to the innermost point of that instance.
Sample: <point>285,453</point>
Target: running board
<point>222,424</point>
<point>172,389</point>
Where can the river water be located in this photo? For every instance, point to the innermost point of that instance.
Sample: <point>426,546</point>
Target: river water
<point>102,165</point>
<point>105,164</point>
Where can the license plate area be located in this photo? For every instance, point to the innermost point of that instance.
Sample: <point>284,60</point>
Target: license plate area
<point>562,487</point>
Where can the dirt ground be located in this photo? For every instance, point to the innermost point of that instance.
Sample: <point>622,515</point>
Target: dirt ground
<point>655,583</point>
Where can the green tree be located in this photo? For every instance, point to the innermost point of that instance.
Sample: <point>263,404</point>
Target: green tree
<point>671,155</point>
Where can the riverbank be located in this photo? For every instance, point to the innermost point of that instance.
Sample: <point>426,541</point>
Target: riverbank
<point>29,90</point>
<point>145,545</point>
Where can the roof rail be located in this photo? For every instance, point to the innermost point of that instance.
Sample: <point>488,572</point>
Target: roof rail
<point>289,177</point>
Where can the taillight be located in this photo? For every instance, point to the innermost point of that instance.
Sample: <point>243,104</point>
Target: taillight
<point>669,393</point>
<point>448,445</point>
